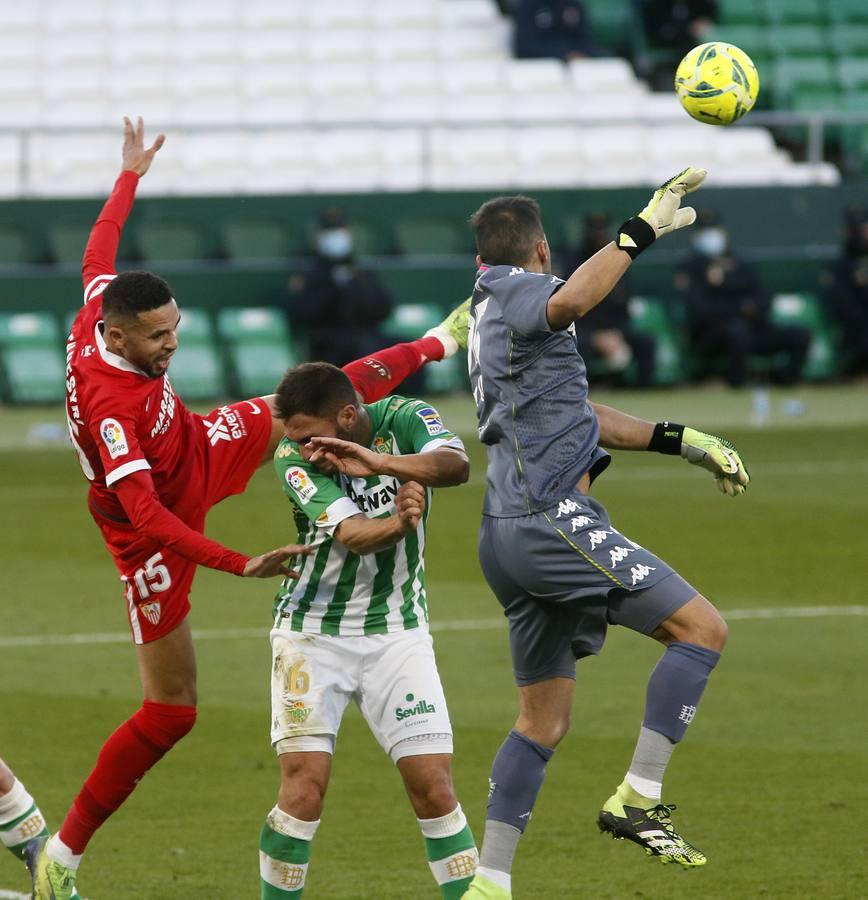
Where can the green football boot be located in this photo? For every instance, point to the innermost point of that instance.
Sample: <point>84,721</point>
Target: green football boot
<point>482,888</point>
<point>629,815</point>
<point>453,328</point>
<point>51,880</point>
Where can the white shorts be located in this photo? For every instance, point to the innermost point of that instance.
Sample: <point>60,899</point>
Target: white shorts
<point>392,677</point>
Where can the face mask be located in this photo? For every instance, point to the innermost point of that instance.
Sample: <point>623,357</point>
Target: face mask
<point>710,241</point>
<point>336,243</point>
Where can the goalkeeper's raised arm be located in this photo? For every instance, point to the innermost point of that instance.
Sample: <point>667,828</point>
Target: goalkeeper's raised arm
<point>620,431</point>
<point>98,264</point>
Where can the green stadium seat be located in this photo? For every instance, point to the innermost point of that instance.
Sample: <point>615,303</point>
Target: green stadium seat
<point>743,12</point>
<point>67,242</point>
<point>805,309</point>
<point>259,347</point>
<point>161,241</point>
<point>791,77</point>
<point>649,314</point>
<point>798,40</point>
<point>407,322</point>
<point>848,11</point>
<point>197,369</point>
<point>610,23</point>
<point>368,241</point>
<point>263,239</point>
<point>14,248</point>
<point>853,74</point>
<point>31,358</point>
<point>807,12</point>
<point>849,40</point>
<point>431,236</point>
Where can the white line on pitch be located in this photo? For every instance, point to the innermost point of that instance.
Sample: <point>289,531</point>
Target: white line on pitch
<point>13,895</point>
<point>230,634</point>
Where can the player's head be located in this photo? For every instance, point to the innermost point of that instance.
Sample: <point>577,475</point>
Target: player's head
<point>141,321</point>
<point>509,232</point>
<point>318,400</point>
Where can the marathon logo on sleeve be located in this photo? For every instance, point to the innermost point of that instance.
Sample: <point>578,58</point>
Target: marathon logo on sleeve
<point>431,418</point>
<point>300,482</point>
<point>114,438</point>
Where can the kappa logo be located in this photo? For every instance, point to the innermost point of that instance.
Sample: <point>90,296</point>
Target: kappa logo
<point>580,522</point>
<point>431,418</point>
<point>114,438</point>
<point>300,482</point>
<point>568,507</point>
<point>619,554</point>
<point>151,611</point>
<point>639,572</point>
<point>598,537</point>
<point>287,450</point>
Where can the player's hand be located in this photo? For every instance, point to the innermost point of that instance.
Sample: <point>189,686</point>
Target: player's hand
<point>719,457</point>
<point>135,157</point>
<point>348,458</point>
<point>663,213</point>
<point>410,504</point>
<point>270,564</point>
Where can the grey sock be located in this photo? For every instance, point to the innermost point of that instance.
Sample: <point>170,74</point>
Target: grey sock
<point>651,755</point>
<point>499,846</point>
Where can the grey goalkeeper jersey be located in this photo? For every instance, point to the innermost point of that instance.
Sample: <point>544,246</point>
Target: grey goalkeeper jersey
<point>531,391</point>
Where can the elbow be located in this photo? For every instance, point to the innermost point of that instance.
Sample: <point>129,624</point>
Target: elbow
<point>463,474</point>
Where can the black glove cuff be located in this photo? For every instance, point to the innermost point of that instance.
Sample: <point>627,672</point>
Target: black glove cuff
<point>634,236</point>
<point>667,438</point>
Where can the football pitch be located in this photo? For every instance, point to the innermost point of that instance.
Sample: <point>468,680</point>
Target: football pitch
<point>770,781</point>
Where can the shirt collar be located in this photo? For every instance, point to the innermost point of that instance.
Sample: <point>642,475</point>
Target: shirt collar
<point>112,359</point>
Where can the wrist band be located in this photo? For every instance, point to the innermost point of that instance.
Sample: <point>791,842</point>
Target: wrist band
<point>667,438</point>
<point>634,236</point>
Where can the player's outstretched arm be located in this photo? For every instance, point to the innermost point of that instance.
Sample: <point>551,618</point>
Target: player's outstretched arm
<point>443,467</point>
<point>98,265</point>
<point>594,279</point>
<point>620,431</point>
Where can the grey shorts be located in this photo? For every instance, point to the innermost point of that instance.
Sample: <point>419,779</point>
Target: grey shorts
<point>564,575</point>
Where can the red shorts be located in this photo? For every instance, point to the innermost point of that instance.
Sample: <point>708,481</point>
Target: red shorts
<point>228,449</point>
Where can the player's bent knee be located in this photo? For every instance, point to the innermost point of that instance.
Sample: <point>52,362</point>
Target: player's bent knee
<point>166,723</point>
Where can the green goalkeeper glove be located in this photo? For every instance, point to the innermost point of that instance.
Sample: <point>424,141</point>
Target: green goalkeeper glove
<point>712,453</point>
<point>662,214</point>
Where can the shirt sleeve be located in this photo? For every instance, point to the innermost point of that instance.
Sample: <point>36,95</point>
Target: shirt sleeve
<point>522,298</point>
<point>421,428</point>
<point>115,436</point>
<point>98,265</point>
<point>316,496</point>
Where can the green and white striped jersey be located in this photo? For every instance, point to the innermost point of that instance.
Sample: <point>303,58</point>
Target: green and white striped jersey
<point>340,592</point>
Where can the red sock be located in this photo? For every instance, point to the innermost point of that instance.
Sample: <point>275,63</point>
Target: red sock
<point>376,376</point>
<point>125,757</point>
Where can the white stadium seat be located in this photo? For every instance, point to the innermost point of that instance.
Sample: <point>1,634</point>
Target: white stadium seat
<point>214,162</point>
<point>154,16</point>
<point>401,160</point>
<point>401,13</point>
<point>477,44</point>
<point>339,14</point>
<point>346,160</point>
<point>199,15</point>
<point>280,162</point>
<point>263,15</point>
<point>73,97</point>
<point>550,156</point>
<point>278,46</point>
<point>475,91</point>
<point>340,93</point>
<point>275,94</point>
<point>407,92</point>
<point>593,75</point>
<point>472,157</point>
<point>402,45</point>
<point>340,47</point>
<point>208,47</point>
<point>62,16</point>
<point>20,49</point>
<point>10,165</point>
<point>86,167</point>
<point>208,95</point>
<point>21,97</point>
<point>463,13</point>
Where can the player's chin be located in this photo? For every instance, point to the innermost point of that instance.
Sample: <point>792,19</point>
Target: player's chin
<point>160,366</point>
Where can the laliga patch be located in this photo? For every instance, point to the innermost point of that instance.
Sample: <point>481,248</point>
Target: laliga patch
<point>432,420</point>
<point>300,482</point>
<point>114,438</point>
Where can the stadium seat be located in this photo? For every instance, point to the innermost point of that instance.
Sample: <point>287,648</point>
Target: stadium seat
<point>264,15</point>
<point>258,344</point>
<point>342,47</point>
<point>196,371</point>
<point>611,24</point>
<point>461,14</point>
<point>32,361</point>
<point>407,45</point>
<point>475,91</point>
<point>797,40</point>
<point>808,12</point>
<point>280,162</point>
<point>805,309</point>
<point>849,11</point>
<point>258,239</point>
<point>472,157</point>
<point>648,314</point>
<point>791,76</point>
<point>10,164</point>
<point>199,16</point>
<point>14,247</point>
<point>549,156</point>
<point>66,242</point>
<point>346,160</point>
<point>406,322</point>
<point>401,160</point>
<point>853,74</point>
<point>742,12</point>
<point>275,94</point>
<point>340,92</point>
<point>401,14</point>
<point>161,241</point>
<point>431,236</point>
<point>407,92</point>
<point>338,14</point>
<point>213,162</point>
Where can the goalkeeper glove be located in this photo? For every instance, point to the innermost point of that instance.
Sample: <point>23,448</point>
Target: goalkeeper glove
<point>712,453</point>
<point>662,214</point>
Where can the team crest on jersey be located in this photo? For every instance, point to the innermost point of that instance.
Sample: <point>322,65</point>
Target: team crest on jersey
<point>114,438</point>
<point>300,482</point>
<point>151,611</point>
<point>432,420</point>
<point>382,445</point>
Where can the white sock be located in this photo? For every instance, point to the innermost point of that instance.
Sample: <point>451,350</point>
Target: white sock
<point>653,790</point>
<point>14,803</point>
<point>501,879</point>
<point>60,853</point>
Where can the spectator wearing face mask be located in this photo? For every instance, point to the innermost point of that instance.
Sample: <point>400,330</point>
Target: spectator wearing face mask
<point>340,305</point>
<point>729,311</point>
<point>848,297</point>
<point>605,335</point>
<point>552,29</point>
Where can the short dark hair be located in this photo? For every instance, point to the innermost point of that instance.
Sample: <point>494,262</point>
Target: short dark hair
<point>131,293</point>
<point>507,230</point>
<point>314,389</point>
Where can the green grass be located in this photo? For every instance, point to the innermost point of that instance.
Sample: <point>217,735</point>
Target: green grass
<point>770,781</point>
